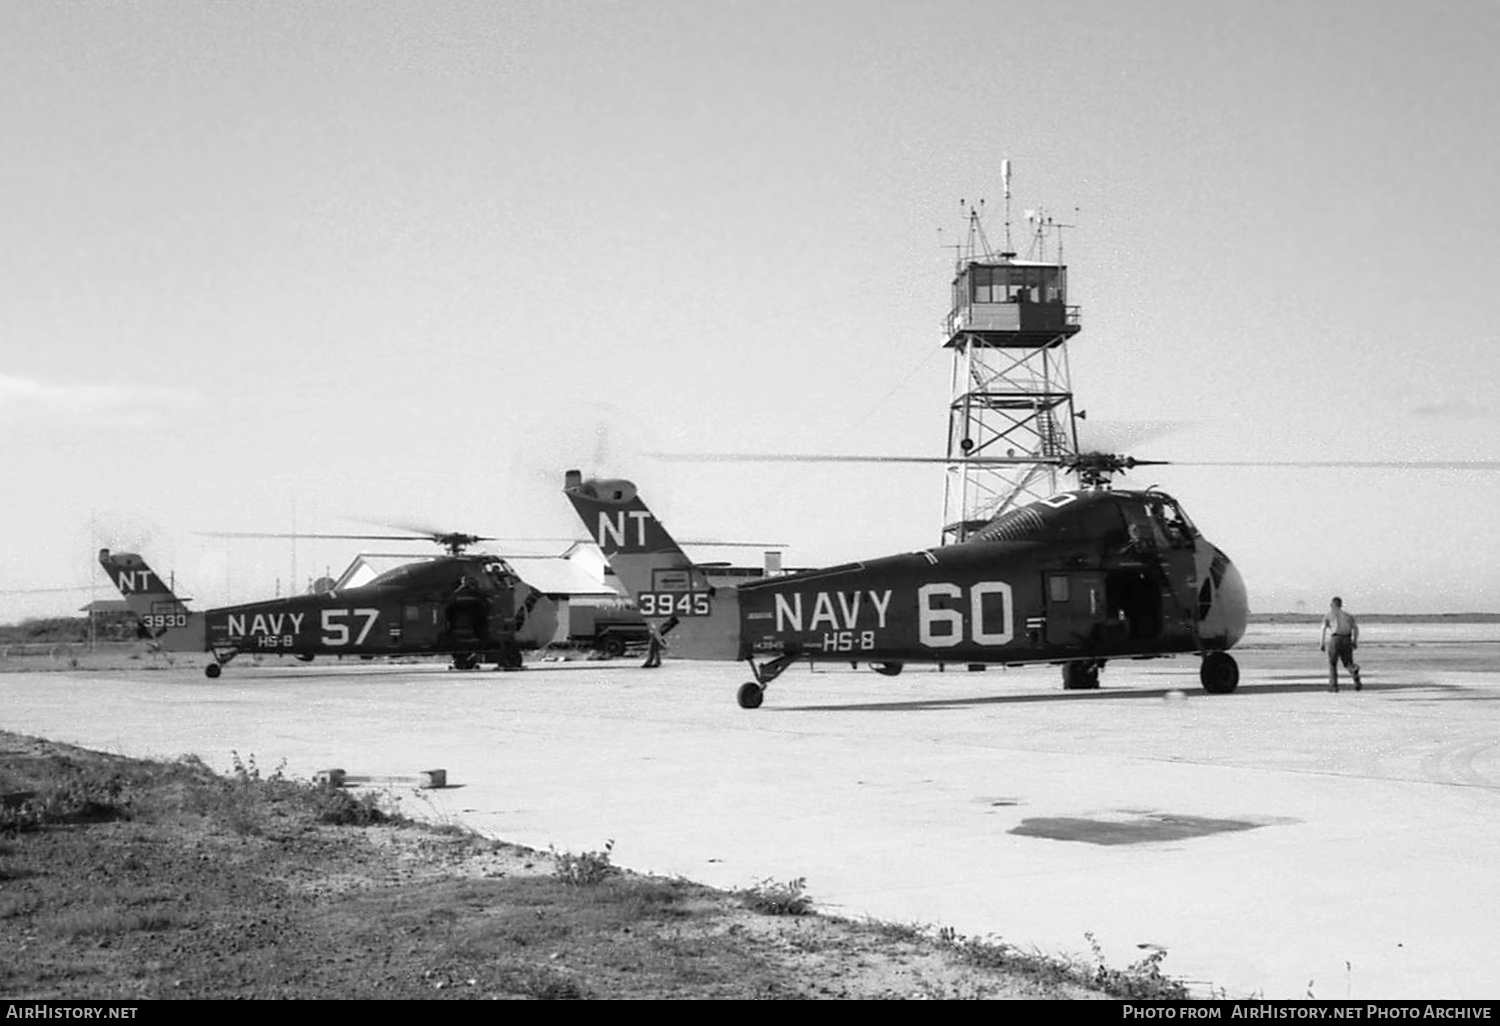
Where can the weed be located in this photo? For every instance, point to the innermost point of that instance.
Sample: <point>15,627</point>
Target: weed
<point>773,897</point>
<point>584,869</point>
<point>80,796</point>
<point>246,773</point>
<point>910,933</point>
<point>1142,979</point>
<point>341,808</point>
<point>248,798</point>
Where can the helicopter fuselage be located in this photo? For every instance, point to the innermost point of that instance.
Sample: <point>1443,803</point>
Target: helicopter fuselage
<point>1080,578</point>
<point>474,608</point>
<point>998,602</point>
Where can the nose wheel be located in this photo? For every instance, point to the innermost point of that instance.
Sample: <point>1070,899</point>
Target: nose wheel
<point>1219,674</point>
<point>751,695</point>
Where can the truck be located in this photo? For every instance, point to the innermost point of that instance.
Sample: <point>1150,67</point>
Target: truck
<point>611,630</point>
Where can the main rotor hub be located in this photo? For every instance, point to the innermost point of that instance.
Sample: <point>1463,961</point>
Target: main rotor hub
<point>1096,469</point>
<point>455,542</point>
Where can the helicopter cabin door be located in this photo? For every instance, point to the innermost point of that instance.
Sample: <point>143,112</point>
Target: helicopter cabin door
<point>1076,608</point>
<point>421,624</point>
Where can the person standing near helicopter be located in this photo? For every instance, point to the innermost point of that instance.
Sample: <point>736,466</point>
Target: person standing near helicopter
<point>1344,639</point>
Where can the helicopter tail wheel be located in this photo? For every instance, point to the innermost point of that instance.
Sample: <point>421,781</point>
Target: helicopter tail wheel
<point>888,669</point>
<point>1219,673</point>
<point>1080,676</point>
<point>751,695</point>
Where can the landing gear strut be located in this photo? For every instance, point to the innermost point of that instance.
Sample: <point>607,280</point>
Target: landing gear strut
<point>752,693</point>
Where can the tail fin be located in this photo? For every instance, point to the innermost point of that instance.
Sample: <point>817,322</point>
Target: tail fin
<point>638,548</point>
<point>672,594</point>
<point>162,614</point>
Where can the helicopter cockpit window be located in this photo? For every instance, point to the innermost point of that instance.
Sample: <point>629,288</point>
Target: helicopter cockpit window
<point>1173,523</point>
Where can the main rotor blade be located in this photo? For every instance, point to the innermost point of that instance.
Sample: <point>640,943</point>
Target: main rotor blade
<point>732,457</point>
<point>326,537</point>
<point>786,457</point>
<point>1349,464</point>
<point>715,542</point>
<point>705,542</point>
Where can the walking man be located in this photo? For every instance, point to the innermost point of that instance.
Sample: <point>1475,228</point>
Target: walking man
<point>1341,645</point>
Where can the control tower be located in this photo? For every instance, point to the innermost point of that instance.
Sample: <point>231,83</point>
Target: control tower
<point>1010,418</point>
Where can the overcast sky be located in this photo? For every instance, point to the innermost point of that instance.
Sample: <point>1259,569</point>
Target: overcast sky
<point>269,265</point>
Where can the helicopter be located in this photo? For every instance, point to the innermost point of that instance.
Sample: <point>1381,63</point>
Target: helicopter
<point>474,608</point>
<point>1076,579</point>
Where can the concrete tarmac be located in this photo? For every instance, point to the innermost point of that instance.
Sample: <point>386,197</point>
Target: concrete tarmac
<point>1279,842</point>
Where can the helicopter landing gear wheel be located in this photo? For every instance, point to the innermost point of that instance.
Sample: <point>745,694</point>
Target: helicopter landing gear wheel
<point>510,659</point>
<point>887,669</point>
<point>1080,676</point>
<point>465,660</point>
<point>753,693</point>
<point>1220,674</point>
<point>212,671</point>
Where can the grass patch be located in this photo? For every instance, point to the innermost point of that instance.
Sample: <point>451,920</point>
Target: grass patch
<point>107,922</point>
<point>136,880</point>
<point>586,868</point>
<point>778,898</point>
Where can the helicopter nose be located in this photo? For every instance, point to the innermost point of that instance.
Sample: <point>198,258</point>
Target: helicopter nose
<point>1234,603</point>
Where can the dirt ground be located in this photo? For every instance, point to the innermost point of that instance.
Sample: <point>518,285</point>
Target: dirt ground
<point>129,879</point>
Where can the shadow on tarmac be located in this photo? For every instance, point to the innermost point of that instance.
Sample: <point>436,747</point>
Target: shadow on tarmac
<point>1160,694</point>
